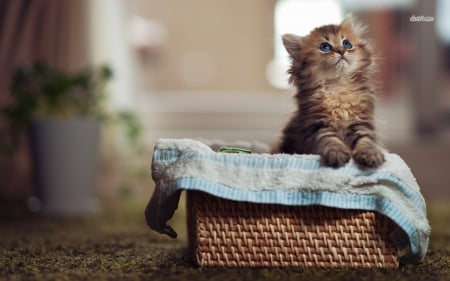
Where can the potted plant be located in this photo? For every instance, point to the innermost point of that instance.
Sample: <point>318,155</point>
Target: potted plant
<point>63,112</point>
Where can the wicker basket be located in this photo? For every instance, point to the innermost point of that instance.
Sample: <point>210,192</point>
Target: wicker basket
<point>240,234</point>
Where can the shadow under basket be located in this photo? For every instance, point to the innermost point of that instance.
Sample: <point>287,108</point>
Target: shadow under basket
<point>228,233</point>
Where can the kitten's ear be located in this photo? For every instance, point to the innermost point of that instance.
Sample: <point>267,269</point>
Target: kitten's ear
<point>292,43</point>
<point>349,21</point>
<point>352,23</point>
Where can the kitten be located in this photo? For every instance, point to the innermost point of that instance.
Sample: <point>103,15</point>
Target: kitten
<point>332,70</point>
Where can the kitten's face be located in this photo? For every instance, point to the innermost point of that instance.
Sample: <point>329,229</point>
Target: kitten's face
<point>330,50</point>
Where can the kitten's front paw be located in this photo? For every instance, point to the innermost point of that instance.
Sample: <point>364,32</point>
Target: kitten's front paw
<point>368,157</point>
<point>336,156</point>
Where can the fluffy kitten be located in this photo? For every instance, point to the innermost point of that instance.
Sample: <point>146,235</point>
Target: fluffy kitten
<point>332,70</point>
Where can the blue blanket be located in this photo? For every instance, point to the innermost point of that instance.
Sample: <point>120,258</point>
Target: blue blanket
<point>289,180</point>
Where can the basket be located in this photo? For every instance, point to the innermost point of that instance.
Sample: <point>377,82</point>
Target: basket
<point>240,234</point>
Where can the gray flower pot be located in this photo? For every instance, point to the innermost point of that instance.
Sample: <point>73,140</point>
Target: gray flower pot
<point>64,153</point>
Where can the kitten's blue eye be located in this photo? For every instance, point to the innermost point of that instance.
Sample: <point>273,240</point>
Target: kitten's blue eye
<point>325,47</point>
<point>347,44</point>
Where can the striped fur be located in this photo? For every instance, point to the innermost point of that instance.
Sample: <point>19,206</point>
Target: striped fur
<point>335,97</point>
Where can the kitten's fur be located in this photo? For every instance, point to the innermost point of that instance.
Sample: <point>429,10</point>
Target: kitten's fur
<point>335,97</point>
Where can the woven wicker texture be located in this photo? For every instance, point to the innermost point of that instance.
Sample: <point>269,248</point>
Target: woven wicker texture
<point>241,234</point>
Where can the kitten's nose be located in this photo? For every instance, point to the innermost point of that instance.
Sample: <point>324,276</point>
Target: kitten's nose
<point>340,51</point>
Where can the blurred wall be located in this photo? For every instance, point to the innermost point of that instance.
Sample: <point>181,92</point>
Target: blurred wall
<point>219,45</point>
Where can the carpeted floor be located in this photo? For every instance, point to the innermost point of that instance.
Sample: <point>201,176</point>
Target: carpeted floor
<point>117,245</point>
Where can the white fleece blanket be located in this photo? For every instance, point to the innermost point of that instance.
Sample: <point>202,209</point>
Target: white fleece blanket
<point>289,180</point>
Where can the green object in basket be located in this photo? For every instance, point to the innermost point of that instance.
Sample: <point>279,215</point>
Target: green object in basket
<point>228,149</point>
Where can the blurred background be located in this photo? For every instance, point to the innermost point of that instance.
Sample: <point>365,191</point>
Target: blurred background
<point>216,70</point>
